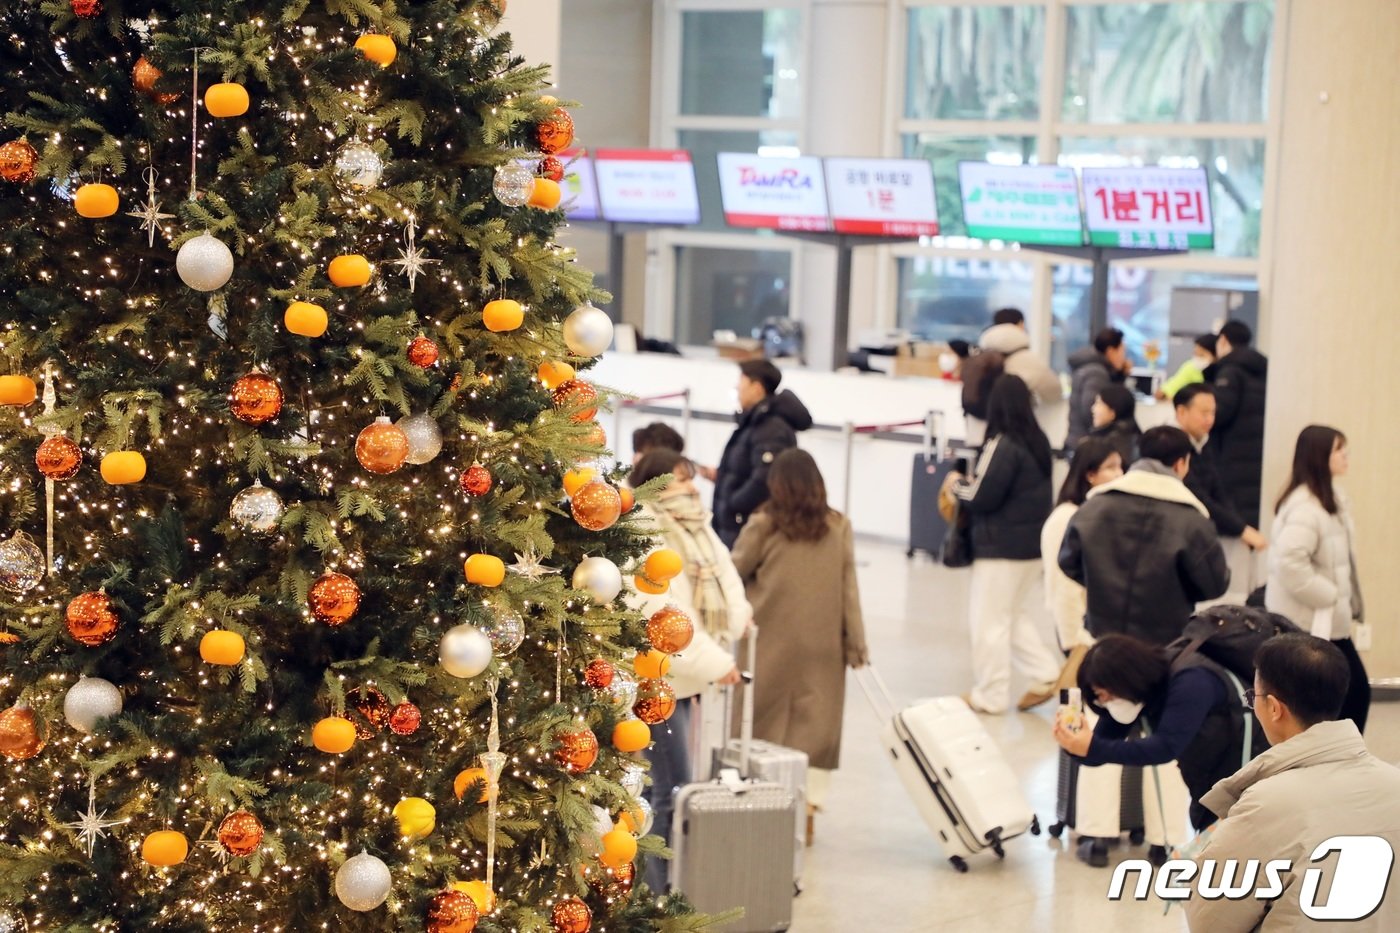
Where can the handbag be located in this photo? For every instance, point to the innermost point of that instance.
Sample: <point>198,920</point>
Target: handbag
<point>956,550</point>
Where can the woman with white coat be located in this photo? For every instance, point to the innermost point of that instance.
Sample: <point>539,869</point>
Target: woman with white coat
<point>709,591</point>
<point>1312,563</point>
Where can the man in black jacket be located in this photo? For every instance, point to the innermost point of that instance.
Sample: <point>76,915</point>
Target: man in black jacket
<point>1240,378</point>
<point>768,425</point>
<point>1144,547</point>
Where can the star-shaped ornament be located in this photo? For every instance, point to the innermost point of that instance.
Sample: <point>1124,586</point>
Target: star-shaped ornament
<point>92,825</point>
<point>149,213</point>
<point>528,565</point>
<point>412,259</point>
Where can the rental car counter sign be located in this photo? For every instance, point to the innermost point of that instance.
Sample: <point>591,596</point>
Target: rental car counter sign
<point>773,193</point>
<point>1148,208</point>
<point>647,186</point>
<point>882,197</point>
<point>1037,204</point>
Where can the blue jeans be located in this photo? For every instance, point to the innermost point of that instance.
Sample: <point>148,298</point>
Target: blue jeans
<point>670,771</point>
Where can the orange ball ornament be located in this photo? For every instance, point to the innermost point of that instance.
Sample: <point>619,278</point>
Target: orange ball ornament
<point>555,133</point>
<point>222,647</point>
<point>333,735</point>
<point>18,160</point>
<point>476,480</point>
<point>631,735</point>
<point>651,664</point>
<point>619,848</point>
<point>571,915</point>
<point>165,848</point>
<point>577,478</point>
<point>240,833</point>
<point>91,620</point>
<point>95,201</point>
<point>334,598</point>
<point>21,733</point>
<point>670,630</point>
<point>577,750</point>
<point>656,701</point>
<point>663,565</point>
<point>599,673</point>
<point>650,587</point>
<point>596,506</point>
<point>452,912</point>
<point>255,399</point>
<point>378,48</point>
<point>350,271</point>
<point>305,319</point>
<point>382,447</point>
<point>17,390</point>
<point>545,195</point>
<point>503,314</point>
<point>466,778</point>
<point>121,467</point>
<point>144,76</point>
<point>58,457</point>
<point>226,100</point>
<point>554,373</point>
<point>485,570</point>
<point>612,884</point>
<point>422,352</point>
<point>578,396</point>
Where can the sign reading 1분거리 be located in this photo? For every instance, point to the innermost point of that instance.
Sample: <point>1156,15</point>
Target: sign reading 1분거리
<point>1148,208</point>
<point>1036,204</point>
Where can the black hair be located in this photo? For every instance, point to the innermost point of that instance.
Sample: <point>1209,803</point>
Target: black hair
<point>1010,414</point>
<point>658,462</point>
<point>1107,339</point>
<point>961,347</point>
<point>1312,465</point>
<point>657,436</point>
<point>1089,456</point>
<point>1237,332</point>
<point>1307,674</point>
<point>1165,444</point>
<point>1119,398</point>
<point>1129,668</point>
<point>763,372</point>
<point>1187,394</point>
<point>1008,316</point>
<point>1207,343</point>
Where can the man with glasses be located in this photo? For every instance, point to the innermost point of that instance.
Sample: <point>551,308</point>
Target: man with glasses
<point>1317,784</point>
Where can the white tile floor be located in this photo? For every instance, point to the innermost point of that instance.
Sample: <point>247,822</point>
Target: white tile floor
<point>874,865</point>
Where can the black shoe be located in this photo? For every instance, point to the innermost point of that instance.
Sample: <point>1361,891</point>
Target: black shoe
<point>1093,851</point>
<point>1157,855</point>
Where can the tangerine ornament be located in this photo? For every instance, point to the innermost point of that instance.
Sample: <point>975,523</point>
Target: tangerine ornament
<point>545,194</point>
<point>165,848</point>
<point>417,817</point>
<point>571,915</point>
<point>121,467</point>
<point>334,598</point>
<point>551,168</point>
<point>554,373</point>
<point>226,100</point>
<point>422,352</point>
<point>18,160</point>
<point>577,478</point>
<point>378,48</point>
<point>485,570</point>
<point>333,735</point>
<point>21,733</point>
<point>91,620</point>
<point>222,647</point>
<point>95,201</point>
<point>382,447</point>
<point>577,750</point>
<point>631,735</point>
<point>350,271</point>
<point>452,911</point>
<point>556,132</point>
<point>651,663</point>
<point>255,399</point>
<point>596,506</point>
<point>651,588</point>
<point>58,457</point>
<point>476,480</point>
<point>466,778</point>
<point>240,833</point>
<point>619,848</point>
<point>629,500</point>
<point>663,565</point>
<point>306,319</point>
<point>405,718</point>
<point>579,395</point>
<point>670,630</point>
<point>17,390</point>
<point>599,673</point>
<point>503,314</point>
<point>656,701</point>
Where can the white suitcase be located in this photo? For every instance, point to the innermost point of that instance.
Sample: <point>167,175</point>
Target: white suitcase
<point>957,776</point>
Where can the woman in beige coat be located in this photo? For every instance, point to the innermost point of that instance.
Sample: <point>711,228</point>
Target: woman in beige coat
<point>797,558</point>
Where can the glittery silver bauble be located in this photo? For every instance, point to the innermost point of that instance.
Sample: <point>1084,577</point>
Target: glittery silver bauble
<point>363,882</point>
<point>588,331</point>
<point>424,437</point>
<point>464,651</point>
<point>633,780</point>
<point>257,509</point>
<point>12,923</point>
<point>513,184</point>
<point>623,688</point>
<point>89,700</point>
<point>21,564</point>
<point>360,168</point>
<point>599,577</point>
<point>204,263</point>
<point>506,629</point>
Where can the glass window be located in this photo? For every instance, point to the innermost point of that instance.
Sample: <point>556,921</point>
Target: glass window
<point>728,289</point>
<point>974,63</point>
<point>1168,63</point>
<point>737,63</point>
<point>944,298</point>
<point>1236,168</point>
<point>945,152</point>
<point>705,146</point>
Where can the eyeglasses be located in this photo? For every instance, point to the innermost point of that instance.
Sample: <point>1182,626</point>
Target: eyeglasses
<point>1251,696</point>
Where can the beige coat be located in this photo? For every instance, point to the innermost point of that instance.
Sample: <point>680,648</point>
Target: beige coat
<point>1311,567</point>
<point>807,608</point>
<point>1067,600</point>
<point>1283,805</point>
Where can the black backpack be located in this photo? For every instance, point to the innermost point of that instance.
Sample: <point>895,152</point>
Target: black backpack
<point>979,373</point>
<point>1229,636</point>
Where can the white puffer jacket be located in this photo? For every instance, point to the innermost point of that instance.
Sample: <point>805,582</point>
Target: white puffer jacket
<point>1311,566</point>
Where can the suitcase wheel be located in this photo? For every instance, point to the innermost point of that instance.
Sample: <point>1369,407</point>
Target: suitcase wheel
<point>1035,826</point>
<point>1137,836</point>
<point>959,863</point>
<point>1001,853</point>
<point>1056,829</point>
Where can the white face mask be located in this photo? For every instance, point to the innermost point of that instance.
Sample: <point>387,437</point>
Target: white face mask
<point>1124,712</point>
<point>947,362</point>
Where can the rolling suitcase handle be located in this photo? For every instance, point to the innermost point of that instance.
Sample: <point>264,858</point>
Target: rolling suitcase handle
<point>883,704</point>
<point>746,714</point>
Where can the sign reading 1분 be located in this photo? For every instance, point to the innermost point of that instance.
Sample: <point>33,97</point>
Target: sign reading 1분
<point>1148,208</point>
<point>882,197</point>
<point>773,193</point>
<point>647,186</point>
<point>1037,204</point>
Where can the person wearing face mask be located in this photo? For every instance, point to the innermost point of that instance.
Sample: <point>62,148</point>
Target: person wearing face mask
<point>1192,371</point>
<point>709,591</point>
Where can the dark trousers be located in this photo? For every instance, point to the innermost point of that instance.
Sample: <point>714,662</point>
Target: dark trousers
<point>670,771</point>
<point>1357,704</point>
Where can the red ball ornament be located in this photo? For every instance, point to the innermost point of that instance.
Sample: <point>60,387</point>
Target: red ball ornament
<point>17,161</point>
<point>255,399</point>
<point>404,719</point>
<point>422,352</point>
<point>58,457</point>
<point>577,750</point>
<point>598,674</point>
<point>571,915</point>
<point>596,506</point>
<point>452,912</point>
<point>670,630</point>
<point>555,133</point>
<point>87,9</point>
<point>334,598</point>
<point>579,395</point>
<point>551,168</point>
<point>91,619</point>
<point>476,480</point>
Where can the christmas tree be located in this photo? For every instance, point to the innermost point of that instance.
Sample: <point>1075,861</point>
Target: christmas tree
<point>301,629</point>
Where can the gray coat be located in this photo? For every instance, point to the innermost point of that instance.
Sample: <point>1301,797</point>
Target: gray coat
<point>1312,571</point>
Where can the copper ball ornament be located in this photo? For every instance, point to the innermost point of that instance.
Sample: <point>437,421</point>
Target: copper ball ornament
<point>144,76</point>
<point>599,674</point>
<point>58,457</point>
<point>612,884</point>
<point>597,506</point>
<point>571,915</point>
<point>555,133</point>
<point>18,160</point>
<point>240,833</point>
<point>21,733</point>
<point>405,718</point>
<point>577,395</point>
<point>373,709</point>
<point>334,598</point>
<point>255,399</point>
<point>422,352</point>
<point>452,912</point>
<point>86,9</point>
<point>382,447</point>
<point>656,701</point>
<point>91,619</point>
<point>551,168</point>
<point>577,750</point>
<point>670,630</point>
<point>476,480</point>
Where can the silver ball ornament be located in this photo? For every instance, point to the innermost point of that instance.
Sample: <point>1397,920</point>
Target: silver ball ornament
<point>642,807</point>
<point>424,437</point>
<point>464,651</point>
<point>358,166</point>
<point>257,509</point>
<point>204,263</point>
<point>513,184</point>
<point>89,700</point>
<point>363,882</point>
<point>506,630</point>
<point>588,331</point>
<point>623,689</point>
<point>12,923</point>
<point>21,564</point>
<point>599,577</point>
<point>633,780</point>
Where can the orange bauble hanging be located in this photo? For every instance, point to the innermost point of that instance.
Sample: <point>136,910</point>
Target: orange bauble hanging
<point>422,352</point>
<point>555,133</point>
<point>17,161</point>
<point>91,620</point>
<point>452,912</point>
<point>476,481</point>
<point>599,673</point>
<point>577,750</point>
<point>144,76</point>
<point>656,701</point>
<point>571,915</point>
<point>21,733</point>
<point>382,447</point>
<point>580,395</point>
<point>334,598</point>
<point>255,399</point>
<point>58,457</point>
<point>670,630</point>
<point>596,506</point>
<point>240,833</point>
